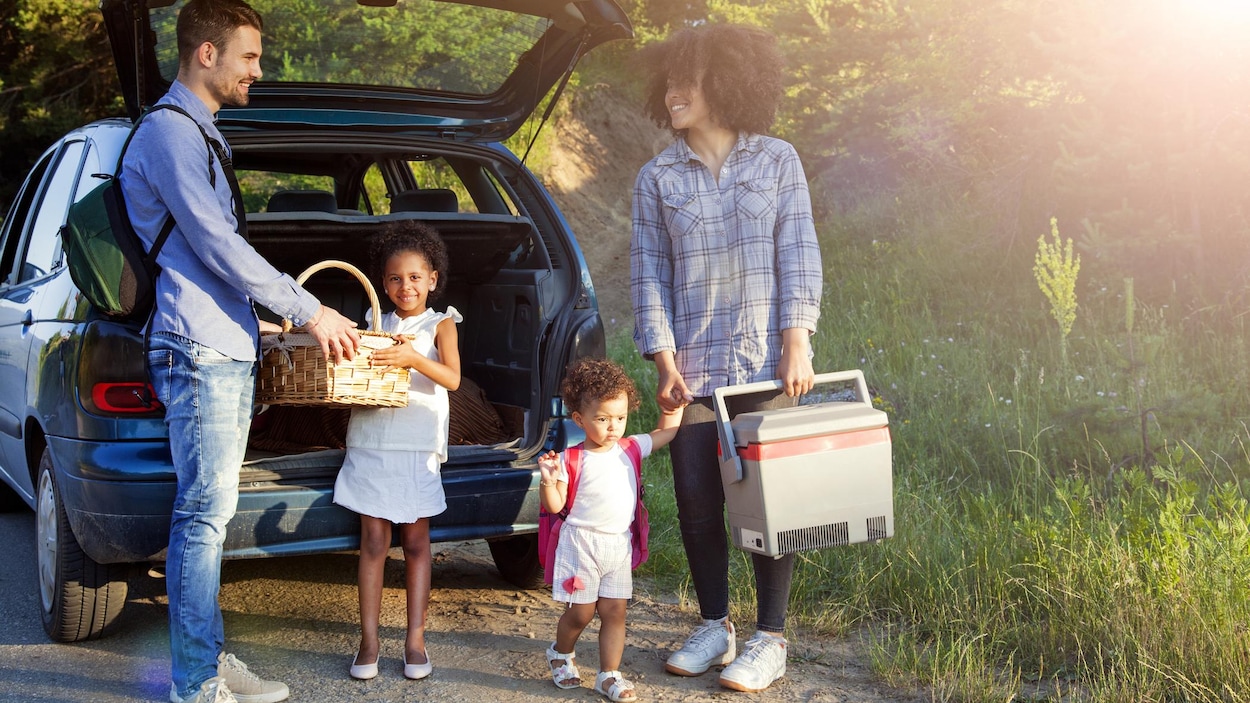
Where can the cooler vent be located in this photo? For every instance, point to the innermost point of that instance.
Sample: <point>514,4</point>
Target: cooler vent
<point>819,537</point>
<point>876,528</point>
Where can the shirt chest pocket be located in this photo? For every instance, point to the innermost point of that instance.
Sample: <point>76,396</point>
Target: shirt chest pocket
<point>756,198</point>
<point>682,214</point>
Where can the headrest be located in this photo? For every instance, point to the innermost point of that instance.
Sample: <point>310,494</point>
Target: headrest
<point>425,200</point>
<point>302,201</point>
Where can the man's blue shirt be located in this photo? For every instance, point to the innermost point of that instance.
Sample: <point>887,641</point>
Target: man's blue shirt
<point>209,274</point>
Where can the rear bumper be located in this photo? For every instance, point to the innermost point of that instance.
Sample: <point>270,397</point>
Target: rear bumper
<point>118,497</point>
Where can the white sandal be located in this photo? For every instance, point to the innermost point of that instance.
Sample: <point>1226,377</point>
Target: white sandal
<point>621,690</point>
<point>565,675</point>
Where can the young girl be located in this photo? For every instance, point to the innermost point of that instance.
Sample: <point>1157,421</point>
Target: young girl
<point>593,560</point>
<point>391,472</point>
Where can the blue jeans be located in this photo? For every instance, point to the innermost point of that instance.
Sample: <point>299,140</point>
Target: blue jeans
<point>701,515</point>
<point>208,409</point>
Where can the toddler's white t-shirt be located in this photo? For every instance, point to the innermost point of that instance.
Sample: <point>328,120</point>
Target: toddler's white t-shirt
<point>607,489</point>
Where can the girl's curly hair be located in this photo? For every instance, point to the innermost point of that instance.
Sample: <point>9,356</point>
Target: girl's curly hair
<point>590,380</point>
<point>399,236</point>
<point>738,67</point>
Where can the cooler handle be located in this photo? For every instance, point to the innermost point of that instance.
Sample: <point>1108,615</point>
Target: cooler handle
<point>730,462</point>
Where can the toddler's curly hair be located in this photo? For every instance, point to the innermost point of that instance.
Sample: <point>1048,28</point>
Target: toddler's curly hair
<point>738,67</point>
<point>399,236</point>
<point>590,380</point>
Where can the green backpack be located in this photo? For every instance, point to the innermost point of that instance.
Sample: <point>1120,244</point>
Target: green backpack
<point>105,256</point>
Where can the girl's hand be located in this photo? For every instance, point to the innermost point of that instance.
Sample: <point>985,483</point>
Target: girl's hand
<point>398,356</point>
<point>549,467</point>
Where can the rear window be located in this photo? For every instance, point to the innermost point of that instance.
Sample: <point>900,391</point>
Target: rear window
<point>416,44</point>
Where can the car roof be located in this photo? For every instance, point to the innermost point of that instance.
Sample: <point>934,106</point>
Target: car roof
<point>464,69</point>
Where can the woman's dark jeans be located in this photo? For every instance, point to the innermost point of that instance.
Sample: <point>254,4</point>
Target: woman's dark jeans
<point>701,512</point>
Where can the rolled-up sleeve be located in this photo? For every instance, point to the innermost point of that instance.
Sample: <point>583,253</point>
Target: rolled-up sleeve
<point>798,251</point>
<point>651,270</point>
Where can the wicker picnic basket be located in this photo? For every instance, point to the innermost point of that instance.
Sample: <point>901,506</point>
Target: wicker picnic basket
<point>293,371</point>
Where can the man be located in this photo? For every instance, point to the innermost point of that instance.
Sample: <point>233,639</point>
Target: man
<point>203,337</point>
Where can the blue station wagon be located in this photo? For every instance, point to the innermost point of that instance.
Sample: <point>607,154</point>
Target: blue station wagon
<point>369,111</point>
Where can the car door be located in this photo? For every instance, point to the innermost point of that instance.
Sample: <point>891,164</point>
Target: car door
<point>30,257</point>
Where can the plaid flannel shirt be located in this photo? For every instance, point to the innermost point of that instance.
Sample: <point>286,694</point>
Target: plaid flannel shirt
<point>719,269</point>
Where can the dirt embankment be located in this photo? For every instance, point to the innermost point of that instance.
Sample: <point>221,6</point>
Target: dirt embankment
<point>597,147</point>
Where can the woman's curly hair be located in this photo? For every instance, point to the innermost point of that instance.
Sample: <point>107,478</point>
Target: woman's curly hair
<point>591,380</point>
<point>738,67</point>
<point>399,236</point>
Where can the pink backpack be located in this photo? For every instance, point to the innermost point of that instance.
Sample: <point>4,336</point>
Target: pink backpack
<point>549,525</point>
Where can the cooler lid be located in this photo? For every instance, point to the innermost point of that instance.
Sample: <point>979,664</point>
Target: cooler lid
<point>765,426</point>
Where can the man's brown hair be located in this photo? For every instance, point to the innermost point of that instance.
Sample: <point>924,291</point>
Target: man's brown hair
<point>212,21</point>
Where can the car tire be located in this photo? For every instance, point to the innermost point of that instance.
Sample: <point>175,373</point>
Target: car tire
<point>78,598</point>
<point>517,560</point>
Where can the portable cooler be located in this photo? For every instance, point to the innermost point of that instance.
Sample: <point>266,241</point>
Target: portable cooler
<point>806,477</point>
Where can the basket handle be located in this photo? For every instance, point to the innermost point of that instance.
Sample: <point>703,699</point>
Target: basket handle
<point>360,276</point>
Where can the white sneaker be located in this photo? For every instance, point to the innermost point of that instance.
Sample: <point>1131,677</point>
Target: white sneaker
<point>763,661</point>
<point>213,690</point>
<point>246,686</point>
<point>710,644</point>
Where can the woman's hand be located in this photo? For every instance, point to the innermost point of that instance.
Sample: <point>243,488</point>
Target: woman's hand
<point>671,391</point>
<point>795,368</point>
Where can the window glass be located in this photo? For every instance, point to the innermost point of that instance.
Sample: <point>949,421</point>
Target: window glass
<point>503,193</point>
<point>372,186</point>
<point>259,186</point>
<point>416,44</point>
<point>14,224</point>
<point>436,173</point>
<point>43,250</point>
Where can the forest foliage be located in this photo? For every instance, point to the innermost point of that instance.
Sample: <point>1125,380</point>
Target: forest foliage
<point>1126,119</point>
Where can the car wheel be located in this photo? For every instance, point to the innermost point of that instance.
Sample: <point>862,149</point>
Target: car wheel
<point>78,598</point>
<point>517,560</point>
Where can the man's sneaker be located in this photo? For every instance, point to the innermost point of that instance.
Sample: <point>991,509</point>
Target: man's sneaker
<point>246,686</point>
<point>213,690</point>
<point>710,644</point>
<point>763,661</point>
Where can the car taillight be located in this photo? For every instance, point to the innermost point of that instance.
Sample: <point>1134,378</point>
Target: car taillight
<point>125,398</point>
<point>113,374</point>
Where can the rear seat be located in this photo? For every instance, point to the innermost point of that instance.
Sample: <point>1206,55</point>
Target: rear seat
<point>302,201</point>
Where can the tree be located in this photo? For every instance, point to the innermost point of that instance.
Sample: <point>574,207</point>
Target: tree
<point>56,72</point>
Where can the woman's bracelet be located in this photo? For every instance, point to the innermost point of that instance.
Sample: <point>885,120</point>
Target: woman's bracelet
<point>547,483</point>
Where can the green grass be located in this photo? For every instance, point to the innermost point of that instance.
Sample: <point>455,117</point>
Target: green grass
<point>1068,526</point>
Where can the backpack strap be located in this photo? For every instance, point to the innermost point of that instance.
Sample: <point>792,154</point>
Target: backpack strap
<point>572,466</point>
<point>214,148</point>
<point>634,452</point>
<point>640,527</point>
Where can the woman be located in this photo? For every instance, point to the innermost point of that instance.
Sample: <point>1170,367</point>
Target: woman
<point>726,283</point>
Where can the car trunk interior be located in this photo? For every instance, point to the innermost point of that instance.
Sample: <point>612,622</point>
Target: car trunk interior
<point>493,282</point>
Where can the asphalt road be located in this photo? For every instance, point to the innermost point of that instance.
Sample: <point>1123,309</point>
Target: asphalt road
<point>291,618</point>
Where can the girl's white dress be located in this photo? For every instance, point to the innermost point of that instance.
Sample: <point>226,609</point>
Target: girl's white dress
<point>394,455</point>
